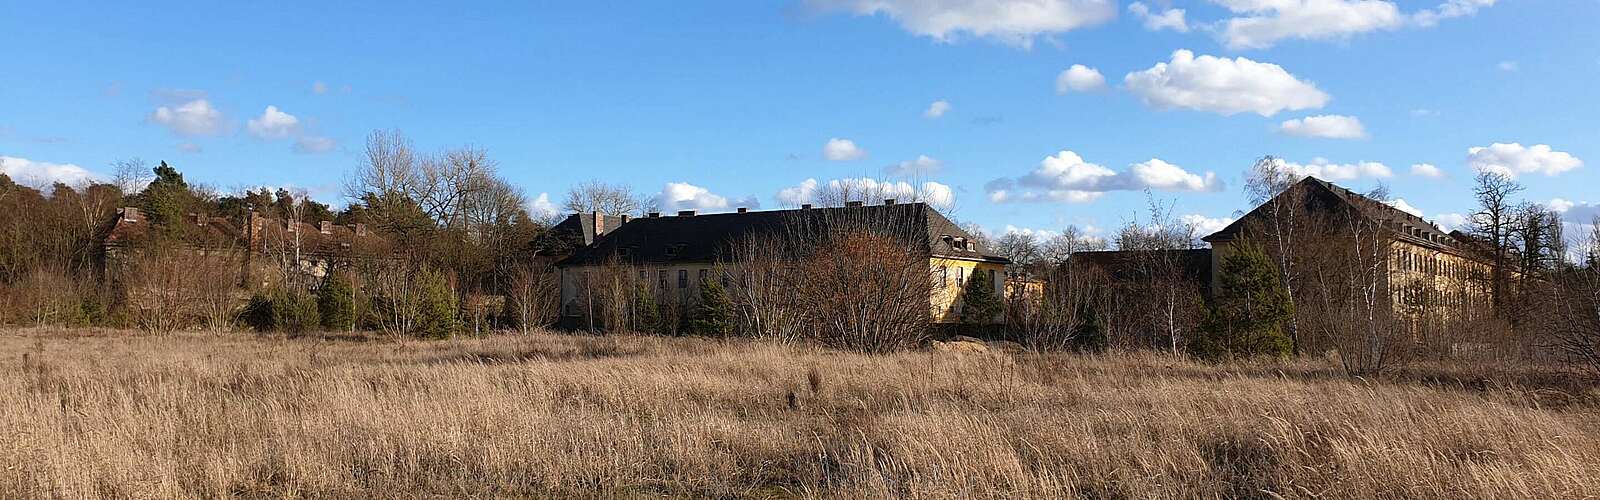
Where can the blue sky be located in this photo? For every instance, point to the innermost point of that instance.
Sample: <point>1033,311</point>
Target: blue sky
<point>712,105</point>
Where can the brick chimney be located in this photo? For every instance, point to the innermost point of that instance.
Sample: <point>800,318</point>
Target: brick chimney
<point>805,206</point>
<point>361,229</point>
<point>624,219</point>
<point>325,227</point>
<point>130,214</point>
<point>599,222</point>
<point>888,201</point>
<point>743,210</point>
<point>199,219</point>
<point>853,204</point>
<point>686,213</point>
<point>655,214</point>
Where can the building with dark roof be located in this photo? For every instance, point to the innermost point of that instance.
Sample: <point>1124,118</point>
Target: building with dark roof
<point>1429,276</point>
<point>683,249</point>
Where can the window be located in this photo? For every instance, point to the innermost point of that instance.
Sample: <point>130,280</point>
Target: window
<point>992,281</point>
<point>644,276</point>
<point>944,276</point>
<point>703,274</point>
<point>961,276</point>
<point>683,278</point>
<point>661,279</point>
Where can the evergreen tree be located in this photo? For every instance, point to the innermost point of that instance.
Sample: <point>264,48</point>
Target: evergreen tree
<point>1091,335</point>
<point>980,302</point>
<point>293,311</point>
<point>646,315</point>
<point>713,316</point>
<point>165,199</point>
<point>438,306</point>
<point>1249,311</point>
<point>336,303</point>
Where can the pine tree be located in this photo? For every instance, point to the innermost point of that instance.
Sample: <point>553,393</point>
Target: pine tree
<point>713,316</point>
<point>336,303</point>
<point>1249,311</point>
<point>980,303</point>
<point>438,306</point>
<point>165,199</point>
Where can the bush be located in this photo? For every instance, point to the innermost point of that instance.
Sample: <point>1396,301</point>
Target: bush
<point>1247,316</point>
<point>280,310</point>
<point>980,303</point>
<point>336,303</point>
<point>713,316</point>
<point>437,305</point>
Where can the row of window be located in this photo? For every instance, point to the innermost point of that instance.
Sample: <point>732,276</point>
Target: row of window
<point>961,276</point>
<point>1409,261</point>
<point>662,277</point>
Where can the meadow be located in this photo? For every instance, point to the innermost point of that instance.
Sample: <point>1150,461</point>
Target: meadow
<point>117,414</point>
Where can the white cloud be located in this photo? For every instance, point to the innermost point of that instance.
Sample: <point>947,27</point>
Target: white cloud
<point>923,165</point>
<point>39,173</point>
<point>1451,221</point>
<point>1067,177</point>
<point>273,124</point>
<point>1262,23</point>
<point>1325,126</point>
<point>311,144</point>
<point>1205,226</point>
<point>1036,234</point>
<point>1321,168</point>
<point>1449,9</point>
<point>1014,22</point>
<point>842,150</point>
<point>937,109</point>
<point>1222,85</point>
<point>1513,159</point>
<point>1424,112</point>
<point>189,147</point>
<point>1079,78</point>
<point>1426,170</point>
<point>1170,19</point>
<point>1507,66</point>
<point>542,208</point>
<point>677,196</point>
<point>1400,204</point>
<point>1577,212</point>
<point>319,88</point>
<point>866,189</point>
<point>196,117</point>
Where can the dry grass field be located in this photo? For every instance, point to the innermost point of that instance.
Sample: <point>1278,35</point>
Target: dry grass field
<point>119,415</point>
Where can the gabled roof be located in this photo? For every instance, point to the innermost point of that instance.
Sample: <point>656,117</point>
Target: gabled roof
<point>579,228</point>
<point>1322,195</point>
<point>710,237</point>
<point>131,228</point>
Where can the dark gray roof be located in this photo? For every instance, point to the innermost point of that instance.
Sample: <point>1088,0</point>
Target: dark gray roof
<point>710,237</point>
<point>1322,195</point>
<point>579,228</point>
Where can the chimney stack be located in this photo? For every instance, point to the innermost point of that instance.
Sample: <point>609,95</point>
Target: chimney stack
<point>686,213</point>
<point>743,210</point>
<point>654,215</point>
<point>888,201</point>
<point>199,219</point>
<point>325,227</point>
<point>853,204</point>
<point>361,229</point>
<point>599,222</point>
<point>805,206</point>
<point>624,219</point>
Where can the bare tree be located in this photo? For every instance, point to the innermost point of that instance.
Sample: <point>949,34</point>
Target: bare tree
<point>1573,322</point>
<point>1494,223</point>
<point>1270,185</point>
<point>761,284</point>
<point>131,174</point>
<point>609,199</point>
<point>1164,297</point>
<point>535,296</point>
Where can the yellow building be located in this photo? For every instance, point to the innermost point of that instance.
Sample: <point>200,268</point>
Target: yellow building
<point>672,255</point>
<point>1430,278</point>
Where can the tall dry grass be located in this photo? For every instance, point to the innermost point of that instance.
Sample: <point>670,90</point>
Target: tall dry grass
<point>112,414</point>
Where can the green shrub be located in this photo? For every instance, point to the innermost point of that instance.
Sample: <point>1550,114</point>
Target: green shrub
<point>437,306</point>
<point>713,315</point>
<point>980,302</point>
<point>281,310</point>
<point>336,303</point>
<point>1249,310</point>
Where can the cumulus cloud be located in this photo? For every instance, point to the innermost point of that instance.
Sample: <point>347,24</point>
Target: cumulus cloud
<point>937,109</point>
<point>1079,78</point>
<point>866,189</point>
<point>1451,221</point>
<point>1426,170</point>
<point>196,117</point>
<point>677,196</point>
<point>1577,212</point>
<point>1067,177</point>
<point>189,147</point>
<point>311,144</point>
<point>1325,126</point>
<point>39,173</point>
<point>1170,19</point>
<point>1514,159</point>
<point>273,124</point>
<point>1014,22</point>
<point>540,207</point>
<point>1260,24</point>
<point>1222,85</point>
<point>1400,204</point>
<point>1203,225</point>
<point>923,165</point>
<point>1036,234</point>
<point>842,150</point>
<point>1323,169</point>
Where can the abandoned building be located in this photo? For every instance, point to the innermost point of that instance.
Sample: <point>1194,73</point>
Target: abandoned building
<point>262,244</point>
<point>673,254</point>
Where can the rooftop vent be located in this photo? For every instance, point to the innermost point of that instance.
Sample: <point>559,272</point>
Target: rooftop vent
<point>853,204</point>
<point>805,206</point>
<point>888,201</point>
<point>743,210</point>
<point>686,213</point>
<point>654,215</point>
